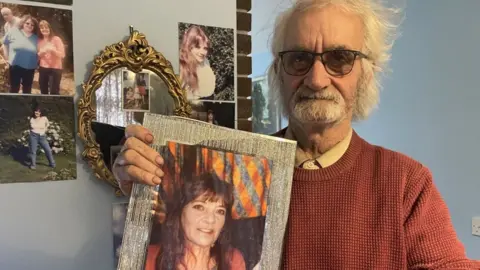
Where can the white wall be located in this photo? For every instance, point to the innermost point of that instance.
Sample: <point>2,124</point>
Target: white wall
<point>67,225</point>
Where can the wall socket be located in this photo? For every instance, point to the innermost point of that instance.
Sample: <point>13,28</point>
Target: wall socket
<point>476,226</point>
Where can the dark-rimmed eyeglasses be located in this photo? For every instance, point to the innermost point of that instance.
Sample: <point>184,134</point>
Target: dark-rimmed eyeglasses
<point>337,62</point>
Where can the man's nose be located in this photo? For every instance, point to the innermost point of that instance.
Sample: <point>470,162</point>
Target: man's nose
<point>318,78</point>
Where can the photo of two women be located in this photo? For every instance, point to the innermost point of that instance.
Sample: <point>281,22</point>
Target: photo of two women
<point>212,210</point>
<point>36,55</point>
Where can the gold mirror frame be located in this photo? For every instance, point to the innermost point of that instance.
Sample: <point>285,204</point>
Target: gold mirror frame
<point>136,55</point>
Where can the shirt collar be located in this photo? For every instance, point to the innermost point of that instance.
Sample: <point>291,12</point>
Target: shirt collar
<point>326,159</point>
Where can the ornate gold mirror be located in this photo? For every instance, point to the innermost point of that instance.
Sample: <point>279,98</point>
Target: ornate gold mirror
<point>128,79</point>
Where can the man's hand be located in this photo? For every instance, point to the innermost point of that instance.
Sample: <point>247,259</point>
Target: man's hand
<point>137,161</point>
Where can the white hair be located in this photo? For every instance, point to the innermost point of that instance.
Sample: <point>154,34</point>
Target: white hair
<point>380,33</point>
<point>5,11</point>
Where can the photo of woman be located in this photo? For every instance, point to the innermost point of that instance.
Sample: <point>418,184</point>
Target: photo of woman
<point>206,59</point>
<point>38,127</point>
<point>20,51</point>
<point>196,231</point>
<point>36,50</point>
<point>37,138</point>
<point>210,212</point>
<point>136,91</point>
<point>214,112</point>
<point>211,117</point>
<point>51,52</point>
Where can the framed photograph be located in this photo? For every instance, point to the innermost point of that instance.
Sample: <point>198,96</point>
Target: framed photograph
<point>42,63</point>
<point>135,91</point>
<point>223,202</point>
<point>214,112</point>
<point>206,60</point>
<point>37,138</point>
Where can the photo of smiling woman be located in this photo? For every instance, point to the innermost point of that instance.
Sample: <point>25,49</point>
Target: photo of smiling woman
<point>209,213</point>
<point>51,52</point>
<point>36,55</point>
<point>206,58</point>
<point>20,51</point>
<point>196,231</point>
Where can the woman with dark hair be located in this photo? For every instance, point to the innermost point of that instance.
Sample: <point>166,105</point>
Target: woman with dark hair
<point>20,50</point>
<point>195,233</point>
<point>211,117</point>
<point>38,128</point>
<point>51,52</point>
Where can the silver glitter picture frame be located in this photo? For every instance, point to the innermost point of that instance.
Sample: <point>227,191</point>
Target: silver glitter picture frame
<point>280,152</point>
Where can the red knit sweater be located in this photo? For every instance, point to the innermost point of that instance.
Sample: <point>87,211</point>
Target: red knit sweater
<point>373,209</point>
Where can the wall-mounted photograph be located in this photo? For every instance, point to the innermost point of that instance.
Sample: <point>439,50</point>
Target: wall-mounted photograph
<point>206,60</point>
<point>36,55</point>
<point>37,138</point>
<point>136,91</point>
<point>119,214</point>
<point>214,112</point>
<point>57,2</point>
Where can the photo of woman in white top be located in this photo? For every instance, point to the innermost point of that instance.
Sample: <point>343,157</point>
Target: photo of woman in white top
<point>38,128</point>
<point>196,74</point>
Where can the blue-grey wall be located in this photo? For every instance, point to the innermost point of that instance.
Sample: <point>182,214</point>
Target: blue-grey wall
<point>67,225</point>
<point>430,103</point>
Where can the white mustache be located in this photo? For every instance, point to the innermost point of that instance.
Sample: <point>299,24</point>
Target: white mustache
<point>323,95</point>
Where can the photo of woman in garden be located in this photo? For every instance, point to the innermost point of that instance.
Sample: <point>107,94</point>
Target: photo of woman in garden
<point>37,138</point>
<point>38,127</point>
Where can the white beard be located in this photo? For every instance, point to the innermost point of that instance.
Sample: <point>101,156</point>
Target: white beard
<point>319,107</point>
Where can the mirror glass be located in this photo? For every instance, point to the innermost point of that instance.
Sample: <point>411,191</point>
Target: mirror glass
<point>123,99</point>
<point>125,96</point>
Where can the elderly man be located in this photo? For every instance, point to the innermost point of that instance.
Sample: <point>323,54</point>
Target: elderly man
<point>354,205</point>
<point>10,20</point>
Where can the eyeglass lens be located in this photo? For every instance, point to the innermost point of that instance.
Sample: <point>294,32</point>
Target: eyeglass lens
<point>336,62</point>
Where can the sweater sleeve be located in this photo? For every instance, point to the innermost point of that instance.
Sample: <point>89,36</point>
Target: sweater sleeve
<point>431,240</point>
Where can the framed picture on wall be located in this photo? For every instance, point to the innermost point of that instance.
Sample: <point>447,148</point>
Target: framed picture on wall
<point>214,198</point>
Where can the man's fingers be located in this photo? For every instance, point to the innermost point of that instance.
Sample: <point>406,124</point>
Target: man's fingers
<point>139,132</point>
<point>140,175</point>
<point>135,145</point>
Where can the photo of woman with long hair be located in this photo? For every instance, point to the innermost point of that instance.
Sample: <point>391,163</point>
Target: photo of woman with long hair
<point>211,117</point>
<point>20,51</point>
<point>206,62</point>
<point>36,55</point>
<point>51,52</point>
<point>38,128</point>
<point>195,72</point>
<point>196,232</point>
